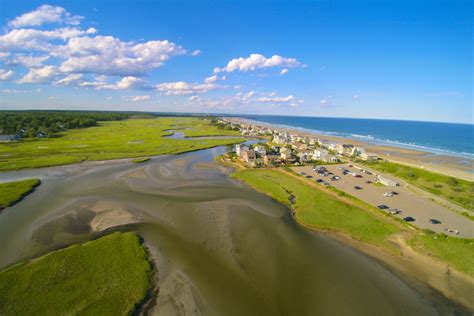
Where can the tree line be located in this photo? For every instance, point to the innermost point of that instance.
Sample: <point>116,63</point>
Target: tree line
<point>30,124</point>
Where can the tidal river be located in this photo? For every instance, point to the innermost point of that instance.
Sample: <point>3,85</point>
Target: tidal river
<point>220,247</point>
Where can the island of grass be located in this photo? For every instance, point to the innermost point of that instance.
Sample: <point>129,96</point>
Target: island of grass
<point>456,190</point>
<point>340,212</point>
<point>141,159</point>
<point>130,138</point>
<point>13,192</point>
<point>108,276</point>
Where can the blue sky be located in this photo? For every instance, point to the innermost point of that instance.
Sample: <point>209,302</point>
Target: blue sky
<point>380,59</point>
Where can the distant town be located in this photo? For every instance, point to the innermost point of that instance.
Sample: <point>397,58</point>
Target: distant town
<point>291,148</point>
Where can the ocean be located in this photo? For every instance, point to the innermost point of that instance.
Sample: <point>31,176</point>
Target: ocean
<point>434,137</point>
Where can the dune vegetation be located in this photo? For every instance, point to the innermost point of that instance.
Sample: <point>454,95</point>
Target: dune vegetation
<point>112,140</point>
<point>456,190</point>
<point>12,192</point>
<point>107,276</point>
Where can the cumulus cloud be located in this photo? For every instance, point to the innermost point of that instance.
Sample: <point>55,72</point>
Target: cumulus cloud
<point>69,80</point>
<point>184,88</point>
<point>258,61</point>
<point>211,79</point>
<point>45,14</point>
<point>137,98</point>
<point>276,99</point>
<point>283,71</point>
<point>29,61</point>
<point>5,75</point>
<point>39,75</point>
<point>195,52</point>
<point>323,101</point>
<point>111,56</point>
<point>75,55</point>
<point>38,40</point>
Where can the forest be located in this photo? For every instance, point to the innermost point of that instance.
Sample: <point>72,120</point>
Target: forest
<point>30,124</point>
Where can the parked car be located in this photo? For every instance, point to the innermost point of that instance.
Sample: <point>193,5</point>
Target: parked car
<point>319,180</point>
<point>368,172</point>
<point>387,194</point>
<point>368,181</point>
<point>383,207</point>
<point>309,176</point>
<point>358,176</point>
<point>395,193</point>
<point>335,178</point>
<point>408,219</point>
<point>434,221</point>
<point>453,231</point>
<point>357,187</point>
<point>394,211</point>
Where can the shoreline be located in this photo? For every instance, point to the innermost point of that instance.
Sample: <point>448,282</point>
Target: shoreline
<point>460,167</point>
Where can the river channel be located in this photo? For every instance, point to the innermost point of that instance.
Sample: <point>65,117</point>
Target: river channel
<point>220,247</point>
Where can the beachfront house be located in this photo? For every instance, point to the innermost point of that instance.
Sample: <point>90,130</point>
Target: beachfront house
<point>369,157</point>
<point>239,149</point>
<point>249,156</point>
<point>260,150</point>
<point>271,159</point>
<point>9,138</point>
<point>304,156</point>
<point>345,149</point>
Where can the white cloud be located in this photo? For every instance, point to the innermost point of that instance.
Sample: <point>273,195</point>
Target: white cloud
<point>323,101</point>
<point>69,80</point>
<point>5,75</point>
<point>111,56</point>
<point>45,14</point>
<point>183,88</point>
<point>37,40</point>
<point>276,99</point>
<point>194,98</point>
<point>355,96</point>
<point>195,52</point>
<point>29,61</point>
<point>211,79</point>
<point>283,71</point>
<point>39,75</point>
<point>257,61</point>
<point>137,98</point>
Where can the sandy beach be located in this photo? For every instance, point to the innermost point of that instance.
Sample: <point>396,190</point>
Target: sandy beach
<point>450,165</point>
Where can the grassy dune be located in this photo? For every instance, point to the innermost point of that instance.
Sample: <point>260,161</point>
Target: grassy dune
<point>457,252</point>
<point>455,190</point>
<point>111,140</point>
<point>108,276</point>
<point>12,192</point>
<point>320,210</point>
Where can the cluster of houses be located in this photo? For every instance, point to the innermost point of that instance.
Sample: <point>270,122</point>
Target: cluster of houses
<point>291,148</point>
<point>16,137</point>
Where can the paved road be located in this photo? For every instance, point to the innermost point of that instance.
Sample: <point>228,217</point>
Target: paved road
<point>411,204</point>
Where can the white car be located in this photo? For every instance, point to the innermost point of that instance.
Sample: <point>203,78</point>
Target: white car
<point>388,194</point>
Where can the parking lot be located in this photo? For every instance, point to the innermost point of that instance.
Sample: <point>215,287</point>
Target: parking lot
<point>407,203</point>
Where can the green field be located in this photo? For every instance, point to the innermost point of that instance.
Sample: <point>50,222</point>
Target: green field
<point>111,140</point>
<point>320,210</point>
<point>457,252</point>
<point>455,190</point>
<point>12,192</point>
<point>107,276</point>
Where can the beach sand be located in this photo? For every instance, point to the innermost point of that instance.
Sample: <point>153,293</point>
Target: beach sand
<point>450,165</point>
